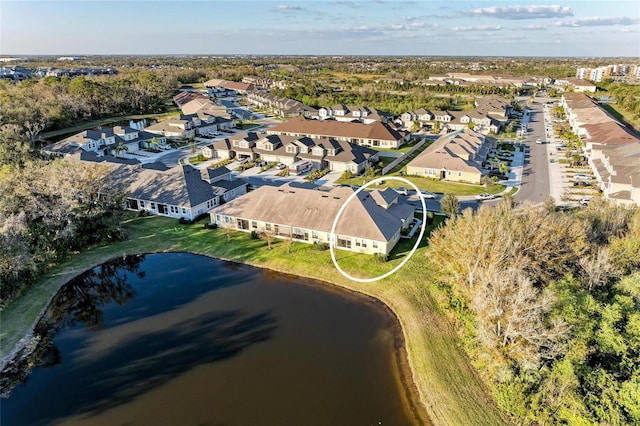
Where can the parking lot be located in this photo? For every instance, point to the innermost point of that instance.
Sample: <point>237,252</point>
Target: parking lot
<point>571,178</point>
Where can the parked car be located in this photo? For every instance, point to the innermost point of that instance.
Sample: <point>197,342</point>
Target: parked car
<point>402,190</point>
<point>485,196</point>
<point>539,141</point>
<point>584,202</point>
<point>580,176</point>
<point>280,166</point>
<point>427,194</point>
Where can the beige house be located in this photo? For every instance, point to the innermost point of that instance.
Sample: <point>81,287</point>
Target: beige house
<point>376,134</point>
<point>456,157</point>
<point>371,222</point>
<point>617,170</point>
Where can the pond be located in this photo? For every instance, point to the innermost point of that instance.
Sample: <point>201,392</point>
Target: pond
<point>185,339</point>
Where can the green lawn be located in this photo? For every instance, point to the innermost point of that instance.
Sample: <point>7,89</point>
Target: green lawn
<point>436,186</point>
<point>623,115</point>
<point>444,379</point>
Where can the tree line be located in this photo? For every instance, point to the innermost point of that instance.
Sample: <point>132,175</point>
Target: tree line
<point>549,305</point>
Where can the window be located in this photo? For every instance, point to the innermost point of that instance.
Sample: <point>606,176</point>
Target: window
<point>459,174</point>
<point>254,224</point>
<point>227,219</point>
<point>184,211</point>
<point>217,217</point>
<point>374,244</point>
<point>314,235</point>
<point>344,243</point>
<point>276,229</point>
<point>153,205</point>
<point>141,203</point>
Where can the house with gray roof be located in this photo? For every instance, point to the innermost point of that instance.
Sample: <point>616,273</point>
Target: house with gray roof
<point>371,222</point>
<point>331,153</point>
<point>178,192</point>
<point>108,141</point>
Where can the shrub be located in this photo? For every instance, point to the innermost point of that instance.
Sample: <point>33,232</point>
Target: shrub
<point>185,221</point>
<point>319,246</point>
<point>380,257</point>
<point>255,235</point>
<point>347,174</point>
<point>220,163</point>
<point>143,213</point>
<point>210,225</point>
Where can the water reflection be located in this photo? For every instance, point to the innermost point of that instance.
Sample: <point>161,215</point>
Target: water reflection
<point>183,339</point>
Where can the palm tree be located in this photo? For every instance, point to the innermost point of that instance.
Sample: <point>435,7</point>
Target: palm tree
<point>154,142</point>
<point>120,148</point>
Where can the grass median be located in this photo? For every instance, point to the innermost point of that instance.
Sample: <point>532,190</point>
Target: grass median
<point>446,383</point>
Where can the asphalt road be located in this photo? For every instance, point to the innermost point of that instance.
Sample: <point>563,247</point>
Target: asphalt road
<point>535,175</point>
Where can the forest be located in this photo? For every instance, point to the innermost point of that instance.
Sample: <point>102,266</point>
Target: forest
<point>548,305</point>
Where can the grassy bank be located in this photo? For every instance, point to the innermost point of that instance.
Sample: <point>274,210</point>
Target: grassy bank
<point>447,384</point>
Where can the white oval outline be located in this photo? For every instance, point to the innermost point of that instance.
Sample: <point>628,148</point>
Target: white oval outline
<point>344,205</point>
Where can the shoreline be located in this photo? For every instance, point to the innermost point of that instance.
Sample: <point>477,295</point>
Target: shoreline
<point>438,372</point>
<point>410,392</point>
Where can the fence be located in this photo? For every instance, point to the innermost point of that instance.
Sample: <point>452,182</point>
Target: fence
<point>399,160</point>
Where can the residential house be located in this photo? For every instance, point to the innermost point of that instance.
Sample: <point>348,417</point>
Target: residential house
<point>365,115</point>
<point>617,170</point>
<point>174,128</point>
<point>179,192</point>
<point>324,153</point>
<point>185,97</point>
<point>457,157</point>
<point>218,87</point>
<point>205,105</point>
<point>370,223</point>
<point>284,107</point>
<point>593,124</point>
<point>108,141</point>
<point>376,134</point>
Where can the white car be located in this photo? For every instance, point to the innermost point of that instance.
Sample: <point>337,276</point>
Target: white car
<point>539,141</point>
<point>580,176</point>
<point>584,202</point>
<point>427,194</point>
<point>485,196</point>
<point>402,190</point>
<point>280,166</point>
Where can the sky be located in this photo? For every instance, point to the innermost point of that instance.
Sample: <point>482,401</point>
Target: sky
<point>584,28</point>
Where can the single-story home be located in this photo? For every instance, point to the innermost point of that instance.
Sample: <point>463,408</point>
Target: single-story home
<point>371,222</point>
<point>180,191</point>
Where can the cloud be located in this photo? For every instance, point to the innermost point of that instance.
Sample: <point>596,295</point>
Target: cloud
<point>418,24</point>
<point>477,28</point>
<point>534,27</point>
<point>409,18</point>
<point>288,8</point>
<point>596,21</point>
<point>379,28</point>
<point>523,12</point>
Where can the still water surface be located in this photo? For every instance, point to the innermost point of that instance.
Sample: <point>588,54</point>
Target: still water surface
<point>188,340</point>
